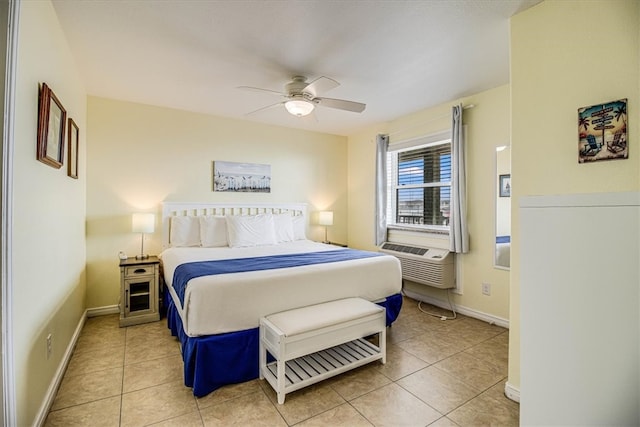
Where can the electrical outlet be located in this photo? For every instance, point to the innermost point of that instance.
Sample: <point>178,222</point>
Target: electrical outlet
<point>486,289</point>
<point>49,346</point>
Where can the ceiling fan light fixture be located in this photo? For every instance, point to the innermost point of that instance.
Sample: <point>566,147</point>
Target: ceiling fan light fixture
<point>299,107</point>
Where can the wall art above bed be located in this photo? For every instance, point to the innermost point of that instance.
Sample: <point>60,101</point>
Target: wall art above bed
<point>602,132</point>
<point>241,177</point>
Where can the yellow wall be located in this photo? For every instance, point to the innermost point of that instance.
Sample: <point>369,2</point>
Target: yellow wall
<point>140,155</point>
<point>566,55</point>
<point>48,251</point>
<point>487,127</point>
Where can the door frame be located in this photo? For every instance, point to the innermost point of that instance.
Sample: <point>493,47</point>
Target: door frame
<point>10,15</point>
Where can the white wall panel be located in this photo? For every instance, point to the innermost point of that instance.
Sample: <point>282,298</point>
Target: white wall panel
<point>580,327</point>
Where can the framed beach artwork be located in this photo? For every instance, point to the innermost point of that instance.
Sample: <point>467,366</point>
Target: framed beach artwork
<point>241,177</point>
<point>602,132</point>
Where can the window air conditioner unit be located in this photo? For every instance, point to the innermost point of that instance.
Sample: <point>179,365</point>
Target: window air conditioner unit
<point>428,266</point>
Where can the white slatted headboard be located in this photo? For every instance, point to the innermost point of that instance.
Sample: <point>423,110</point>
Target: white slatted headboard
<point>170,209</point>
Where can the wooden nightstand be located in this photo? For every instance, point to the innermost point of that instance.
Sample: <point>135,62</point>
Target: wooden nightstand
<point>139,290</point>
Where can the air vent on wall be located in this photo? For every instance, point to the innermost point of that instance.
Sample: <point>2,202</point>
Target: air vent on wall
<point>405,249</point>
<point>428,266</point>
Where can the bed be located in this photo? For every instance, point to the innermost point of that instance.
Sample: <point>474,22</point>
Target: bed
<point>225,266</point>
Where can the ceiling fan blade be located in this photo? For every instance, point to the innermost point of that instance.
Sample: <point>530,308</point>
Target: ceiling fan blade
<point>341,104</point>
<point>320,85</point>
<point>277,104</point>
<point>258,89</point>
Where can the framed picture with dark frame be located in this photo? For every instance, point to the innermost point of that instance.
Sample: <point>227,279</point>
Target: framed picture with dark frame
<point>72,149</point>
<point>52,118</point>
<point>505,185</point>
<point>602,132</point>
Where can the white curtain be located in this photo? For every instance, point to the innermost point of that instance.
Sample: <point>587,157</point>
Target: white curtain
<point>458,233</point>
<point>382,145</point>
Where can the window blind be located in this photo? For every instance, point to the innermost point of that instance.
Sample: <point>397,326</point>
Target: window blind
<point>419,184</point>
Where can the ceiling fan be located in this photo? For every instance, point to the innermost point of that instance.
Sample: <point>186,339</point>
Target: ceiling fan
<point>301,97</point>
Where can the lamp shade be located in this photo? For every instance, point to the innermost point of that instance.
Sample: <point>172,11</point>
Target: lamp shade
<point>325,218</point>
<point>143,222</point>
<point>299,107</point>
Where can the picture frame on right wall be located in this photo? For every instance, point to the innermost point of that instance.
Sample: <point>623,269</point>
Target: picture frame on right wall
<point>602,132</point>
<point>505,185</point>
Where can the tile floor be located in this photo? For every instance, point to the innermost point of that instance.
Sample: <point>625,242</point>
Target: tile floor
<point>438,373</point>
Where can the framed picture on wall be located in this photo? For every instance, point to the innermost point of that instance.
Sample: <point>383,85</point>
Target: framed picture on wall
<point>51,125</point>
<point>72,149</point>
<point>241,177</point>
<point>602,132</point>
<point>505,185</point>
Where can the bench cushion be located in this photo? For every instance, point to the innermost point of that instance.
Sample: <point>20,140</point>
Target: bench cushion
<point>305,319</point>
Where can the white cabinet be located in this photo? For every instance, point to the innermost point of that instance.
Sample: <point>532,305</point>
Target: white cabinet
<point>139,291</point>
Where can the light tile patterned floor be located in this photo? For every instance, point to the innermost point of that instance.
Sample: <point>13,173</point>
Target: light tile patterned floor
<point>438,373</point>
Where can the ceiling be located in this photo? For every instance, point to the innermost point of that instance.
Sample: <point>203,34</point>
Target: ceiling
<point>397,57</point>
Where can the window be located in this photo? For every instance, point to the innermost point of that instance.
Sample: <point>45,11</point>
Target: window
<point>419,184</point>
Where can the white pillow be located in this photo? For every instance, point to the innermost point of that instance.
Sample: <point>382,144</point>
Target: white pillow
<point>299,228</point>
<point>250,230</point>
<point>184,231</point>
<point>283,224</point>
<point>213,231</point>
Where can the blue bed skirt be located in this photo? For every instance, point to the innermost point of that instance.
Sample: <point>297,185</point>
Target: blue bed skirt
<point>213,361</point>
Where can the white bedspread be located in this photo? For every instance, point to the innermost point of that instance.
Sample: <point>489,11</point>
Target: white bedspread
<point>503,254</point>
<point>233,302</point>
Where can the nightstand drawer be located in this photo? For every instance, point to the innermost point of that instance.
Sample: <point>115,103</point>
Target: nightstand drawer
<point>139,270</point>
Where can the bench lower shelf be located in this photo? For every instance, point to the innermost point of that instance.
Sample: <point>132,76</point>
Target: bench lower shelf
<point>312,368</point>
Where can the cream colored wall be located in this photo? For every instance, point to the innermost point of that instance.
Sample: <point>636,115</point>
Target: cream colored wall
<point>566,55</point>
<point>487,126</point>
<point>48,251</point>
<point>139,156</point>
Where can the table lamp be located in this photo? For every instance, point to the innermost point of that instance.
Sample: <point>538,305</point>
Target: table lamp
<point>325,218</point>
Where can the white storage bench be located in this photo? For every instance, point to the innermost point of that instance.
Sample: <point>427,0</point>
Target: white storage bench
<point>316,342</point>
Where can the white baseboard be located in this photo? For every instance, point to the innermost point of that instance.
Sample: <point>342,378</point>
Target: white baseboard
<point>101,311</point>
<point>512,392</point>
<point>57,378</point>
<point>489,318</point>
